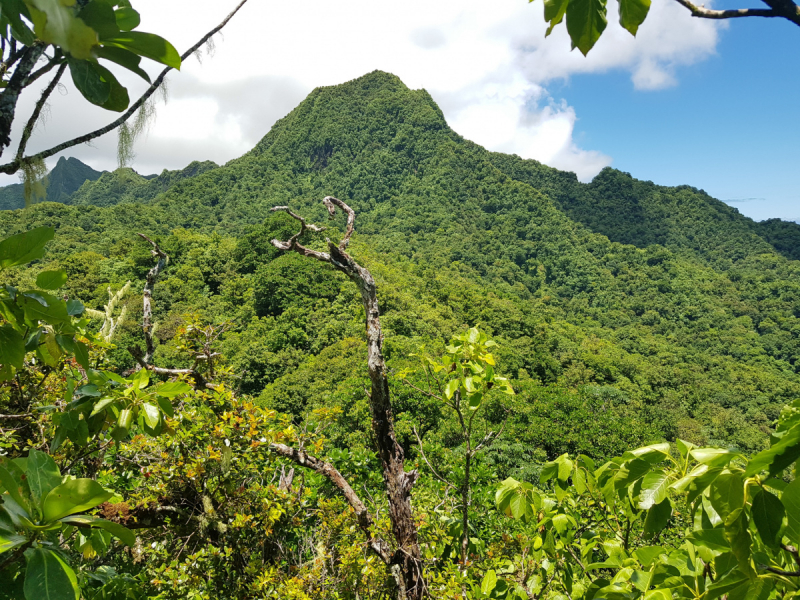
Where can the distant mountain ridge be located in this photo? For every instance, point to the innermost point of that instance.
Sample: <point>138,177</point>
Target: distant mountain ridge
<point>74,182</point>
<point>67,176</point>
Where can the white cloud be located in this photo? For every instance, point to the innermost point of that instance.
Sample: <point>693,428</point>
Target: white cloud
<point>486,63</point>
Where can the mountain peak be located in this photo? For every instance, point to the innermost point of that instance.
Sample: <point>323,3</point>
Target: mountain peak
<point>367,112</point>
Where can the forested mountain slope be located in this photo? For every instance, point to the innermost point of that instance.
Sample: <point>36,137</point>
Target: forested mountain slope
<point>66,177</point>
<point>689,328</point>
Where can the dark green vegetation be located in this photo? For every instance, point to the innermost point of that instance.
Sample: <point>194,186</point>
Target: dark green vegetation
<point>625,313</point>
<point>684,311</point>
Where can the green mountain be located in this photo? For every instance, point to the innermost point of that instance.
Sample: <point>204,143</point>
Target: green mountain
<point>67,176</point>
<point>73,182</point>
<point>661,305</point>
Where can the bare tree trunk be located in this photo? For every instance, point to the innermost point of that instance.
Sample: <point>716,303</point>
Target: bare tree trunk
<point>405,562</point>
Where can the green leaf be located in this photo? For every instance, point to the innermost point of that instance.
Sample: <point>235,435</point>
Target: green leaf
<point>9,541</point>
<point>127,18</point>
<point>451,388</point>
<point>73,496</point>
<point>586,20</point>
<point>657,517</point>
<point>791,502</point>
<point>632,13</point>
<point>13,482</point>
<point>489,582</point>
<point>54,22</point>
<point>648,554</point>
<point>89,82</point>
<point>49,578</point>
<point>554,11</point>
<point>51,280</point>
<point>101,405</point>
<point>778,456</point>
<point>713,539</point>
<point>75,308</point>
<point>125,535</point>
<point>12,347</point>
<point>53,311</point>
<point>739,538</point>
<point>631,472</point>
<point>13,10</point>
<point>166,406</point>
<point>118,98</point>
<point>124,58</point>
<point>768,513</point>
<point>727,494</point>
<point>654,489</point>
<point>82,355</point>
<point>42,475</point>
<point>22,248</point>
<point>99,15</point>
<point>151,415</point>
<point>713,457</point>
<point>148,45</point>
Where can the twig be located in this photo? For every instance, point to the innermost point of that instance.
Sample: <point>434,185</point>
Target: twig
<point>28,131</point>
<point>427,462</point>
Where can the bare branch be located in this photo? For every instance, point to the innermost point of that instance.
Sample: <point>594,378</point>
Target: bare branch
<point>152,276</point>
<point>781,8</point>
<point>406,559</point>
<point>327,470</point>
<point>57,59</point>
<point>14,166</point>
<point>199,381</point>
<point>427,462</point>
<point>37,110</point>
<point>10,95</point>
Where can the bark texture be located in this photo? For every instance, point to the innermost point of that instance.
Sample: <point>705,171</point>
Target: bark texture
<point>405,560</point>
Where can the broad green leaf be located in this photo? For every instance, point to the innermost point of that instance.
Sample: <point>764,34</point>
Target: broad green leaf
<point>75,308</point>
<point>166,406</point>
<point>82,355</point>
<point>489,582</point>
<point>565,466</point>
<point>631,472</point>
<point>55,23</point>
<point>148,45</point>
<point>72,497</point>
<point>42,475</point>
<point>778,456</point>
<point>54,312</point>
<point>561,523</point>
<point>49,578</point>
<point>697,481</point>
<point>768,513</point>
<point>127,18</point>
<point>714,539</point>
<point>13,10</point>
<point>684,447</point>
<point>89,82</point>
<point>653,453</point>
<point>723,586</point>
<point>12,347</point>
<point>9,541</point>
<point>586,20</point>
<point>51,280</point>
<point>451,388</point>
<point>22,248</point>
<point>125,535</point>
<point>141,379</point>
<point>757,589</point>
<point>554,11</point>
<point>549,470</point>
<point>654,489</point>
<point>713,457</point>
<point>647,554</point>
<point>101,405</point>
<point>99,15</point>
<point>13,482</point>
<point>118,98</point>
<point>124,58</point>
<point>791,502</point>
<point>727,494</point>
<point>657,517</point>
<point>739,538</point>
<point>151,414</point>
<point>632,13</point>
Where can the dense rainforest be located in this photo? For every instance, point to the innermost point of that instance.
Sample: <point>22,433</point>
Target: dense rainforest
<point>619,313</point>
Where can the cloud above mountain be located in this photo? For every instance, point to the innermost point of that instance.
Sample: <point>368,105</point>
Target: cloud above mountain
<point>487,64</point>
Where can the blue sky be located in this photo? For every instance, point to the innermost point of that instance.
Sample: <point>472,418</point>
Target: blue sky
<point>730,126</point>
<point>688,101</point>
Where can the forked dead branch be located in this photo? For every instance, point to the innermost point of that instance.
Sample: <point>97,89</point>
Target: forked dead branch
<point>405,559</point>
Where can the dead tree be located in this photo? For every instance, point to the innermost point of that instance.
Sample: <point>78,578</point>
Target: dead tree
<point>403,557</point>
<point>144,360</point>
